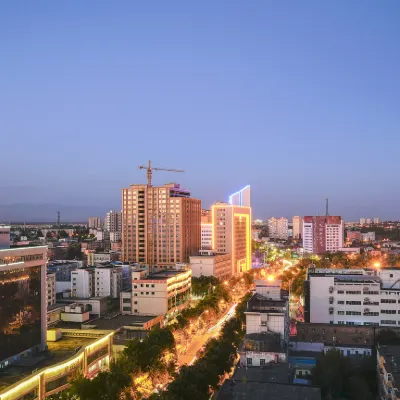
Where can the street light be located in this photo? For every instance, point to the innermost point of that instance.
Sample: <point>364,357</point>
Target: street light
<point>270,278</point>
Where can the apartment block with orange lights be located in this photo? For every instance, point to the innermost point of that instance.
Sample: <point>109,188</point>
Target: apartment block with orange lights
<point>160,225</point>
<point>232,234</point>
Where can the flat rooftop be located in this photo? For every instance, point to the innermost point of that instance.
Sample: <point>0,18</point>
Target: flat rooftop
<point>259,303</point>
<point>264,342</point>
<point>273,373</point>
<point>57,352</point>
<point>249,390</point>
<point>165,274</point>
<point>114,322</point>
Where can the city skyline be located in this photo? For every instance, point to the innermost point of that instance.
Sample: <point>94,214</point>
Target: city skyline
<point>316,102</point>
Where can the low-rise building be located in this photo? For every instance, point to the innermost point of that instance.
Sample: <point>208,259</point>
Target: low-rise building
<point>368,237</point>
<point>102,257</point>
<point>353,235</point>
<point>267,326</point>
<point>159,293</point>
<point>73,353</point>
<point>209,263</point>
<point>115,236</point>
<point>353,296</point>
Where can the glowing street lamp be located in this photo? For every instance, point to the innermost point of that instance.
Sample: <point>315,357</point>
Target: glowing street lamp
<point>270,278</point>
<point>377,265</point>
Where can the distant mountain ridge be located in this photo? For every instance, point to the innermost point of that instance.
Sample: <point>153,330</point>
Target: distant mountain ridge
<point>48,212</point>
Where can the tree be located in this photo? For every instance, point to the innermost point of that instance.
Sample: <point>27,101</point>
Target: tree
<point>387,336</point>
<point>49,235</point>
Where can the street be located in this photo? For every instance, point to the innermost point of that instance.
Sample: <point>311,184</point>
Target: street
<point>190,356</point>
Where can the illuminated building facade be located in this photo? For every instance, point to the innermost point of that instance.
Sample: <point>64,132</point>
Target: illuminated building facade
<point>297,227</point>
<point>160,225</point>
<point>232,234</point>
<point>23,308</point>
<point>241,197</point>
<point>93,353</point>
<point>278,228</point>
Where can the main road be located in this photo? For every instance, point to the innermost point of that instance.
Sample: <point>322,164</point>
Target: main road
<point>200,340</point>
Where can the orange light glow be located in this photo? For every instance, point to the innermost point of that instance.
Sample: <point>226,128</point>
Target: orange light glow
<point>270,278</point>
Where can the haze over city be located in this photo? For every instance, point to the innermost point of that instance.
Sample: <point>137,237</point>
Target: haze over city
<point>299,100</point>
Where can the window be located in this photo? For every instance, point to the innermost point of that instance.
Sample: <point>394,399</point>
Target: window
<point>262,361</point>
<point>354,303</point>
<point>135,311</point>
<point>353,292</point>
<point>340,291</point>
<point>152,293</point>
<point>340,312</point>
<point>249,361</point>
<point>126,300</point>
<point>388,322</point>
<point>388,311</point>
<point>388,301</point>
<point>264,323</point>
<point>353,313</point>
<point>340,302</point>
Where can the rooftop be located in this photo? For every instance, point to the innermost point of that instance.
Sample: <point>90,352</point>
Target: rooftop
<point>57,352</point>
<point>164,274</point>
<point>262,342</point>
<point>116,321</point>
<point>259,303</point>
<point>249,390</point>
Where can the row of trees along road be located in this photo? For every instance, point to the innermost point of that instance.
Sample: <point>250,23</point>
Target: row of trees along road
<point>144,365</point>
<point>206,375</point>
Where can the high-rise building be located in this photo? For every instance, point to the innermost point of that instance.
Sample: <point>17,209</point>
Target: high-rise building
<point>368,221</point>
<point>278,228</point>
<point>232,234</point>
<point>23,309</point>
<point>297,227</point>
<point>377,220</point>
<point>4,237</point>
<point>206,236</point>
<point>83,283</point>
<point>322,234</point>
<point>362,221</point>
<point>94,223</point>
<point>161,225</point>
<point>241,197</point>
<point>113,221</point>
<point>206,217</point>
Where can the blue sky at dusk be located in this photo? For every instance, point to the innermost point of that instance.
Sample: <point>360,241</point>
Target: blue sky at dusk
<point>301,100</point>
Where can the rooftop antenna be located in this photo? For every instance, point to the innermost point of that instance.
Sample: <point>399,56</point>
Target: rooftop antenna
<point>326,207</point>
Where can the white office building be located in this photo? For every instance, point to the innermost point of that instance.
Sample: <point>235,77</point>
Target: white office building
<point>108,281</point>
<point>353,297</point>
<point>278,228</point>
<point>368,237</point>
<point>83,283</point>
<point>209,263</point>
<point>377,220</point>
<point>206,236</point>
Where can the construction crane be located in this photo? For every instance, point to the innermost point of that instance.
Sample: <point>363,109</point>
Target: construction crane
<point>150,170</point>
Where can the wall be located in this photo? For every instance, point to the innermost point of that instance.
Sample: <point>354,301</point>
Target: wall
<point>319,304</point>
<point>257,356</point>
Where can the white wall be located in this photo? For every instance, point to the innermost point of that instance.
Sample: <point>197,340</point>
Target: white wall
<point>319,304</point>
<point>202,266</point>
<point>257,356</point>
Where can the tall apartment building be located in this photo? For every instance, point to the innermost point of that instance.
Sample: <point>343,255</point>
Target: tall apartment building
<point>377,220</point>
<point>241,197</point>
<point>161,225</point>
<point>232,234</point>
<point>4,237</point>
<point>322,234</point>
<point>362,221</point>
<point>94,223</point>
<point>113,221</point>
<point>297,227</point>
<point>206,236</point>
<point>23,309</point>
<point>278,228</point>
<point>353,297</point>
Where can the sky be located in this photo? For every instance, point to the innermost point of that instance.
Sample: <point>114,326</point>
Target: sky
<point>301,100</point>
